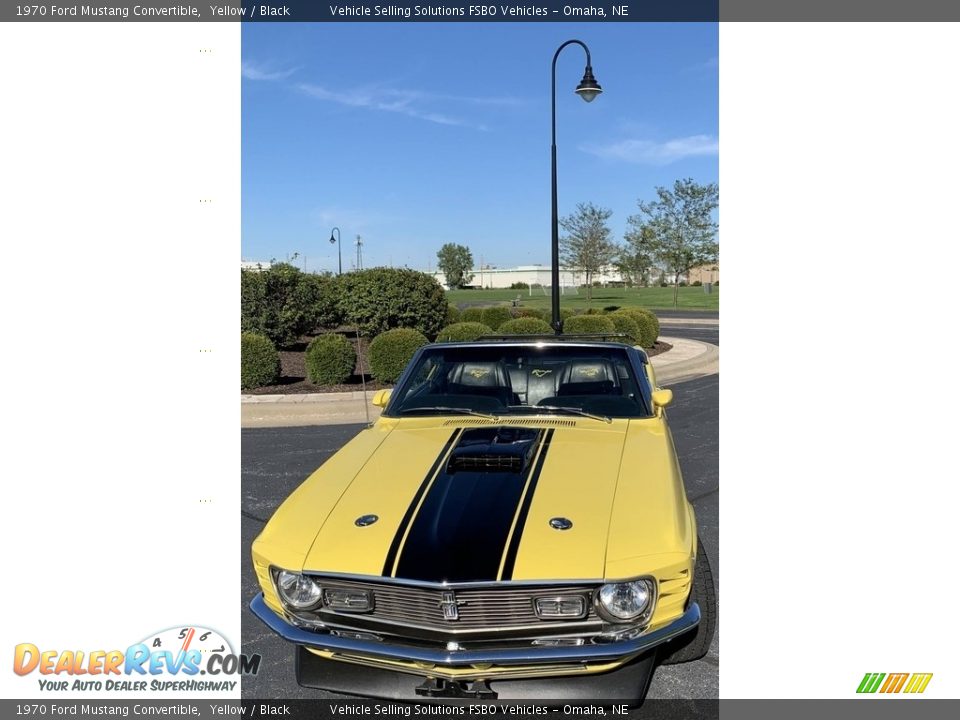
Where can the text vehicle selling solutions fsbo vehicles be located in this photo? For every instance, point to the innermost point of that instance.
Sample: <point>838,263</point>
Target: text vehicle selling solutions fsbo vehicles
<point>513,526</point>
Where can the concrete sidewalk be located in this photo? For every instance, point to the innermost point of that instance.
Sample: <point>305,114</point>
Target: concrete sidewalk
<point>688,359</point>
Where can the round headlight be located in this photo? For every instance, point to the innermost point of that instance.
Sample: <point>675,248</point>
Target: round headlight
<point>626,601</point>
<point>297,590</point>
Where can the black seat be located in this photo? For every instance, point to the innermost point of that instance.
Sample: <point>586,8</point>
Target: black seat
<point>587,377</point>
<point>489,379</point>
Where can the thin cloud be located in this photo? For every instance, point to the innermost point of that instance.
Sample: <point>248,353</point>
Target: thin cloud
<point>404,102</point>
<point>650,152</point>
<point>252,71</point>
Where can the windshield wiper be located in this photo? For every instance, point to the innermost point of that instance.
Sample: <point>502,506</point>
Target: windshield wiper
<point>558,408</point>
<point>455,410</point>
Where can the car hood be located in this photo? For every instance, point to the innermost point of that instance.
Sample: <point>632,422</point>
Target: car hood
<point>466,502</point>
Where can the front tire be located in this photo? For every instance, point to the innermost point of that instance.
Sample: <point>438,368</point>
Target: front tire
<point>695,644</point>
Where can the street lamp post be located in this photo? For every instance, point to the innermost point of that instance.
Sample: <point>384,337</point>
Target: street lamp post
<point>588,89</point>
<point>339,257</point>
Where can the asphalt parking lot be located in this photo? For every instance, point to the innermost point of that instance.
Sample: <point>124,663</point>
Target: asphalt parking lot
<point>277,460</point>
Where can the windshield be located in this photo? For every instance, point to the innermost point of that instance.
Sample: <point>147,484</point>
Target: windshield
<point>492,381</point>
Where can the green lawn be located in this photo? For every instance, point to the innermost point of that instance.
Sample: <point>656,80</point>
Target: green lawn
<point>690,298</point>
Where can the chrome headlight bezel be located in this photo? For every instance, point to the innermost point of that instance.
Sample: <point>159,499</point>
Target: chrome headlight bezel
<point>304,583</point>
<point>642,615</point>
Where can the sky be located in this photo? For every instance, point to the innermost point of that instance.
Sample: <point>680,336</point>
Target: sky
<point>414,135</point>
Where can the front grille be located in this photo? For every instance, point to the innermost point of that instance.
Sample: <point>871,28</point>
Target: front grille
<point>478,608</point>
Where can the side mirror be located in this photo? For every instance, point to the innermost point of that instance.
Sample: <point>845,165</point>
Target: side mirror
<point>381,398</point>
<point>662,397</point>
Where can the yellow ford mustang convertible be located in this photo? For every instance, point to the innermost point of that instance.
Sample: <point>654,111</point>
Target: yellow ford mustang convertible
<point>514,526</point>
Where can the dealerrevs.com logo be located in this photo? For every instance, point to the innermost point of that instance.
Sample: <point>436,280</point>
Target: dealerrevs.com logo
<point>172,660</point>
<point>911,683</point>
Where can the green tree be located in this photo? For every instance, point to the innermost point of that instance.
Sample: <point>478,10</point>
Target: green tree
<point>635,260</point>
<point>587,246</point>
<point>681,227</point>
<point>456,262</point>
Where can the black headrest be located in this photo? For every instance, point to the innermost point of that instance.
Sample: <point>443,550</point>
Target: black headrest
<point>588,371</point>
<point>479,374</point>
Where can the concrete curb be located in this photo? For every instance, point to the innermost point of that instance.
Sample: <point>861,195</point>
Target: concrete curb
<point>688,359</point>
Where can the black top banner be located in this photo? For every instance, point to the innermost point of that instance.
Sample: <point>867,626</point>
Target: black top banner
<point>348,11</point>
<point>545,11</point>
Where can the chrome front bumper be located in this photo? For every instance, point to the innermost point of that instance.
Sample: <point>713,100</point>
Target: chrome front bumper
<point>596,653</point>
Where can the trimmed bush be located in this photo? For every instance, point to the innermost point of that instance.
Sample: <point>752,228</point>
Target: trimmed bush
<point>453,315</point>
<point>648,323</point>
<point>624,323</point>
<point>259,361</point>
<point>653,319</point>
<point>381,299</point>
<point>391,351</point>
<point>330,359</point>
<point>593,311</point>
<point>525,326</point>
<point>280,302</point>
<point>589,324</point>
<point>494,317</point>
<point>463,332</point>
<point>326,308</point>
<point>523,312</point>
<point>519,286</point>
<point>471,315</point>
<point>564,314</point>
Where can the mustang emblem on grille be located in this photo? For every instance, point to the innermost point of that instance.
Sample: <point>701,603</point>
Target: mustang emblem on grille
<point>451,606</point>
<point>540,373</point>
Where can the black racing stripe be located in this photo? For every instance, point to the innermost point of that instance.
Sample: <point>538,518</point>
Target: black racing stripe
<point>408,515</point>
<point>511,559</point>
<point>462,528</point>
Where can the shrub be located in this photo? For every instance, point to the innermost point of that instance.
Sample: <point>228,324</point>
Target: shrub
<point>381,299</point>
<point>259,361</point>
<point>519,286</point>
<point>494,317</point>
<point>330,359</point>
<point>696,283</point>
<point>280,302</point>
<point>390,352</point>
<point>647,322</point>
<point>655,320</point>
<point>523,312</point>
<point>471,315</point>
<point>589,324</point>
<point>624,323</point>
<point>611,308</point>
<point>683,283</point>
<point>525,326</point>
<point>564,314</point>
<point>462,332</point>
<point>326,308</point>
<point>593,311</point>
<point>453,315</point>
<point>716,283</point>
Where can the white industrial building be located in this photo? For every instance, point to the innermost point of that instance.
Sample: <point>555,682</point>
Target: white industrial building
<point>492,277</point>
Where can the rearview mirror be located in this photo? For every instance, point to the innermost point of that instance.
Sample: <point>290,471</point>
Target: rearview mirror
<point>381,398</point>
<point>662,397</point>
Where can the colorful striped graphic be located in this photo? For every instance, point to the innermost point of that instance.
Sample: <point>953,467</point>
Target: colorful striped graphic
<point>894,682</point>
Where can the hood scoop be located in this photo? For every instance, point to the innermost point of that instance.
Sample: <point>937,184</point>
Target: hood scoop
<point>505,451</point>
